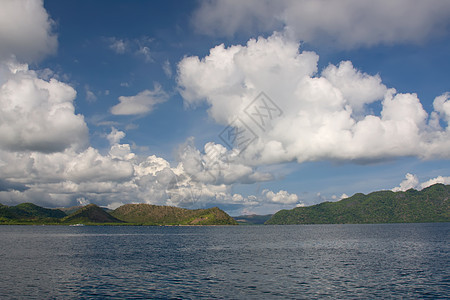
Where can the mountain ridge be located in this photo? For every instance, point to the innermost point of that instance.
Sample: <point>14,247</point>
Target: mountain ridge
<point>171,215</point>
<point>29,212</point>
<point>428,205</point>
<point>90,213</point>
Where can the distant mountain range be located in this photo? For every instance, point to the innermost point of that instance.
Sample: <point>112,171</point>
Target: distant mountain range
<point>252,219</point>
<point>428,205</point>
<point>130,214</point>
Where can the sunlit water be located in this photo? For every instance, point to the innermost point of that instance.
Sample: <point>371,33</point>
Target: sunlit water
<point>235,262</point>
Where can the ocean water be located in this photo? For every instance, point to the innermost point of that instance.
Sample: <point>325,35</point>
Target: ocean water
<point>225,262</point>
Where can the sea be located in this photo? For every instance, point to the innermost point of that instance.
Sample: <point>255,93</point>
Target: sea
<point>408,261</point>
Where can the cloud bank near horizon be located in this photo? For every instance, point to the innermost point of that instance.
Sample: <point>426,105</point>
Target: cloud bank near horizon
<point>411,181</point>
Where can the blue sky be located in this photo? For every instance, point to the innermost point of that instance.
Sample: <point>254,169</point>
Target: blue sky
<point>115,102</point>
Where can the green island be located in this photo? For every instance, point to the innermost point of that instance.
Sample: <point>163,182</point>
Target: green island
<point>129,214</point>
<point>428,205</point>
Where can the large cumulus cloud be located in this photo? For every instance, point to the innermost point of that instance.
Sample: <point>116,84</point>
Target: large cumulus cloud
<point>36,114</point>
<point>326,115</point>
<point>26,30</point>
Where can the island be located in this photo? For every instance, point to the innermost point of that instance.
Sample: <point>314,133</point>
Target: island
<point>428,205</point>
<point>129,214</point>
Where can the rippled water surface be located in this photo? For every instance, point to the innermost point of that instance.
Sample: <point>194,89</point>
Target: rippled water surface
<point>235,262</point>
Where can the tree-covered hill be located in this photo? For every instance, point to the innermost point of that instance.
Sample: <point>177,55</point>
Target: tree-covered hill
<point>169,215</point>
<point>429,205</point>
<point>90,214</point>
<point>29,212</point>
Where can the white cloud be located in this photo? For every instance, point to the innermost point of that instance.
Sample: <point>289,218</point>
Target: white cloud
<point>411,181</point>
<point>345,24</point>
<point>216,165</point>
<point>121,151</point>
<point>91,166</point>
<point>145,52</point>
<point>439,179</point>
<point>140,104</point>
<point>26,30</point>
<point>139,46</point>
<point>120,177</point>
<point>230,17</point>
<point>343,196</point>
<point>356,87</point>
<point>115,136</point>
<point>281,197</point>
<point>442,106</point>
<point>229,78</point>
<point>336,198</point>
<point>118,45</point>
<point>90,95</point>
<point>38,115</point>
<point>82,201</point>
<point>324,116</point>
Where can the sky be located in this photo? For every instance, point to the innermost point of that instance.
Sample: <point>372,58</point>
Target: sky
<point>251,106</point>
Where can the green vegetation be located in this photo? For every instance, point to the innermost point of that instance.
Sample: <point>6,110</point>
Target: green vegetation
<point>130,214</point>
<point>90,214</point>
<point>147,214</point>
<point>429,205</point>
<point>70,210</point>
<point>252,219</point>
<point>29,213</point>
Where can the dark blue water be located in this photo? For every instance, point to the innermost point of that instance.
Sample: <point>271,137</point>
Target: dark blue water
<point>236,262</point>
